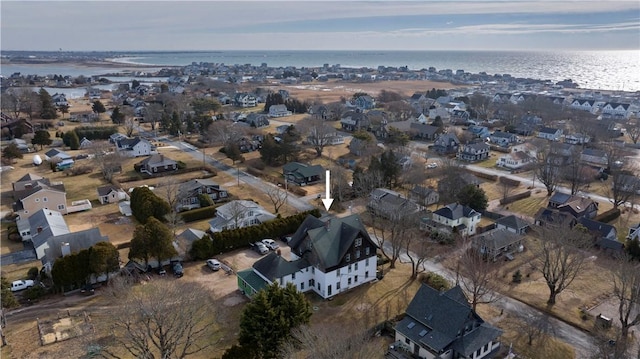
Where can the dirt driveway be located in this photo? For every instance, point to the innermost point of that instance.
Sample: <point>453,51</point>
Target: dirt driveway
<point>223,286</point>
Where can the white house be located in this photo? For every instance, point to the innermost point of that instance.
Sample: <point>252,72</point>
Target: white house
<point>328,257</point>
<point>634,232</point>
<point>464,219</point>
<point>239,214</point>
<point>514,160</point>
<point>133,147</point>
<point>616,109</point>
<point>583,104</point>
<point>577,139</point>
<point>278,111</point>
<point>442,324</point>
<point>551,134</point>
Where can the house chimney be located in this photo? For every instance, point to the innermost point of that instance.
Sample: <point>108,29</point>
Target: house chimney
<point>65,249</point>
<point>327,224</point>
<point>39,229</point>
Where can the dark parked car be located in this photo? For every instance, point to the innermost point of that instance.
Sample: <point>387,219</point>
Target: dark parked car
<point>260,248</point>
<point>177,269</point>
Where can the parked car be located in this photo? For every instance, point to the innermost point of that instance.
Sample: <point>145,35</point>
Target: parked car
<point>162,271</point>
<point>177,269</point>
<point>260,248</point>
<point>270,243</point>
<point>432,165</point>
<point>214,264</point>
<point>21,285</point>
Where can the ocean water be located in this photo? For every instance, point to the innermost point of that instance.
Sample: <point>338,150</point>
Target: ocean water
<point>606,70</point>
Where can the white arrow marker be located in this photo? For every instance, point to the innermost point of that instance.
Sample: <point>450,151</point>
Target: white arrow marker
<point>327,200</point>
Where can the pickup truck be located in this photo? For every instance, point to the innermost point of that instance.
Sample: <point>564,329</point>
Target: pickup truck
<point>20,285</point>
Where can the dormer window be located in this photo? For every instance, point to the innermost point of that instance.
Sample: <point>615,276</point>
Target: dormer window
<point>358,242</point>
<point>347,257</point>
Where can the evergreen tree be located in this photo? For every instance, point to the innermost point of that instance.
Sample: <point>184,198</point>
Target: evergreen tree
<point>270,151</point>
<point>42,138</point>
<point>11,152</point>
<point>152,240</point>
<point>145,204</point>
<point>233,152</point>
<point>117,116</point>
<point>98,107</point>
<point>47,109</point>
<point>474,197</point>
<point>103,258</point>
<point>71,140</point>
<point>267,321</point>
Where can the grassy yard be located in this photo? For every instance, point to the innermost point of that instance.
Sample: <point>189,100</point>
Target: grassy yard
<point>489,162</point>
<point>529,206</point>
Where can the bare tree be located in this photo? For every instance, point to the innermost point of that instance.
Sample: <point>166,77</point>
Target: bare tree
<point>537,326</point>
<point>393,231</point>
<point>560,257</point>
<point>278,197</point>
<point>547,169</point>
<point>506,186</point>
<point>129,126</point>
<point>165,319</point>
<point>169,189</point>
<point>481,104</point>
<point>626,290</point>
<point>331,341</point>
<point>633,130</point>
<point>225,133</point>
<point>477,278</point>
<point>574,171</point>
<point>10,103</point>
<point>318,133</point>
<point>417,250</point>
<point>340,187</point>
<point>153,114</point>
<point>624,185</point>
<point>110,161</point>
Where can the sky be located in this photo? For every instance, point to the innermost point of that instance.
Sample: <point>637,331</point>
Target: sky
<point>319,25</point>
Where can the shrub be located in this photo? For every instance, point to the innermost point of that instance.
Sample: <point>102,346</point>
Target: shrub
<point>13,234</point>
<point>35,292</point>
<point>78,170</point>
<point>608,216</point>
<point>515,197</point>
<point>181,165</point>
<point>204,200</point>
<point>33,273</point>
<point>198,214</point>
<point>8,299</point>
<point>435,281</point>
<point>517,276</point>
<point>509,181</point>
<point>255,172</point>
<point>484,175</point>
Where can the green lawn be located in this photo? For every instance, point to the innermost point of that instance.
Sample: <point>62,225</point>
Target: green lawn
<point>528,206</point>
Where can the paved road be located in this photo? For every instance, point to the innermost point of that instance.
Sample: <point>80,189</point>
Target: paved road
<point>579,339</point>
<point>293,200</point>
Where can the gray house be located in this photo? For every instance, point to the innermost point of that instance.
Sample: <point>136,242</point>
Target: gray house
<point>497,242</point>
<point>446,144</point>
<point>441,324</point>
<point>302,174</point>
<point>424,196</point>
<point>390,204</point>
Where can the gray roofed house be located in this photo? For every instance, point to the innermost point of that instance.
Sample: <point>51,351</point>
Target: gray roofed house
<point>239,214</point>
<point>496,242</point>
<point>111,194</point>
<point>390,204</point>
<point>513,224</point>
<point>458,217</point>
<point>473,152</point>
<point>552,134</point>
<point>424,196</point>
<point>184,241</point>
<point>189,193</point>
<point>634,232</point>
<point>327,256</point>
<point>57,155</point>
<point>302,174</point>
<point>39,194</point>
<point>133,147</point>
<point>157,163</point>
<point>444,324</point>
<point>43,225</point>
<point>60,245</point>
<point>598,229</point>
<point>448,143</point>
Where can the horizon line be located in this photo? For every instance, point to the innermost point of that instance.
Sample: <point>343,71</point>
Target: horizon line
<point>325,50</point>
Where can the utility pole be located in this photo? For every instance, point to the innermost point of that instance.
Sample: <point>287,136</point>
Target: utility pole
<point>238,169</point>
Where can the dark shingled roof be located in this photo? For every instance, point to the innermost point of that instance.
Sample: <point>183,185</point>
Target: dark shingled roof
<point>325,243</point>
<point>455,211</point>
<point>273,266</point>
<point>434,319</point>
<point>105,190</point>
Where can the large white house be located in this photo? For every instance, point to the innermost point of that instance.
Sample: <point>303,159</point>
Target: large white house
<point>515,160</point>
<point>328,257</point>
<point>239,214</point>
<point>133,147</point>
<point>464,219</point>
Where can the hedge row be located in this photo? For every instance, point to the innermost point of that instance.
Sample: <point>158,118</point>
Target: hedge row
<point>515,197</point>
<point>509,181</point>
<point>608,216</point>
<point>95,133</point>
<point>226,241</point>
<point>293,188</point>
<point>484,175</point>
<point>198,214</point>
<point>499,149</point>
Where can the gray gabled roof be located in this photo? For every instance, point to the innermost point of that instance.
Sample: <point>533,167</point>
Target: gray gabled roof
<point>194,184</point>
<point>29,177</point>
<point>157,160</point>
<point>51,223</point>
<point>77,242</point>
<point>548,130</point>
<point>303,169</point>
<point>191,234</point>
<point>496,239</point>
<point>273,266</point>
<point>513,222</point>
<point>105,190</point>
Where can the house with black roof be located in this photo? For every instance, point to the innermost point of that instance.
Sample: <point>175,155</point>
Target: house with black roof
<point>133,147</point>
<point>328,256</point>
<point>458,217</point>
<point>302,174</point>
<point>441,324</point>
<point>446,144</point>
<point>189,193</point>
<point>157,163</point>
<point>551,134</point>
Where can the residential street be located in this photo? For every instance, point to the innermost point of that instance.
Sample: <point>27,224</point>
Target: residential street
<point>577,338</point>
